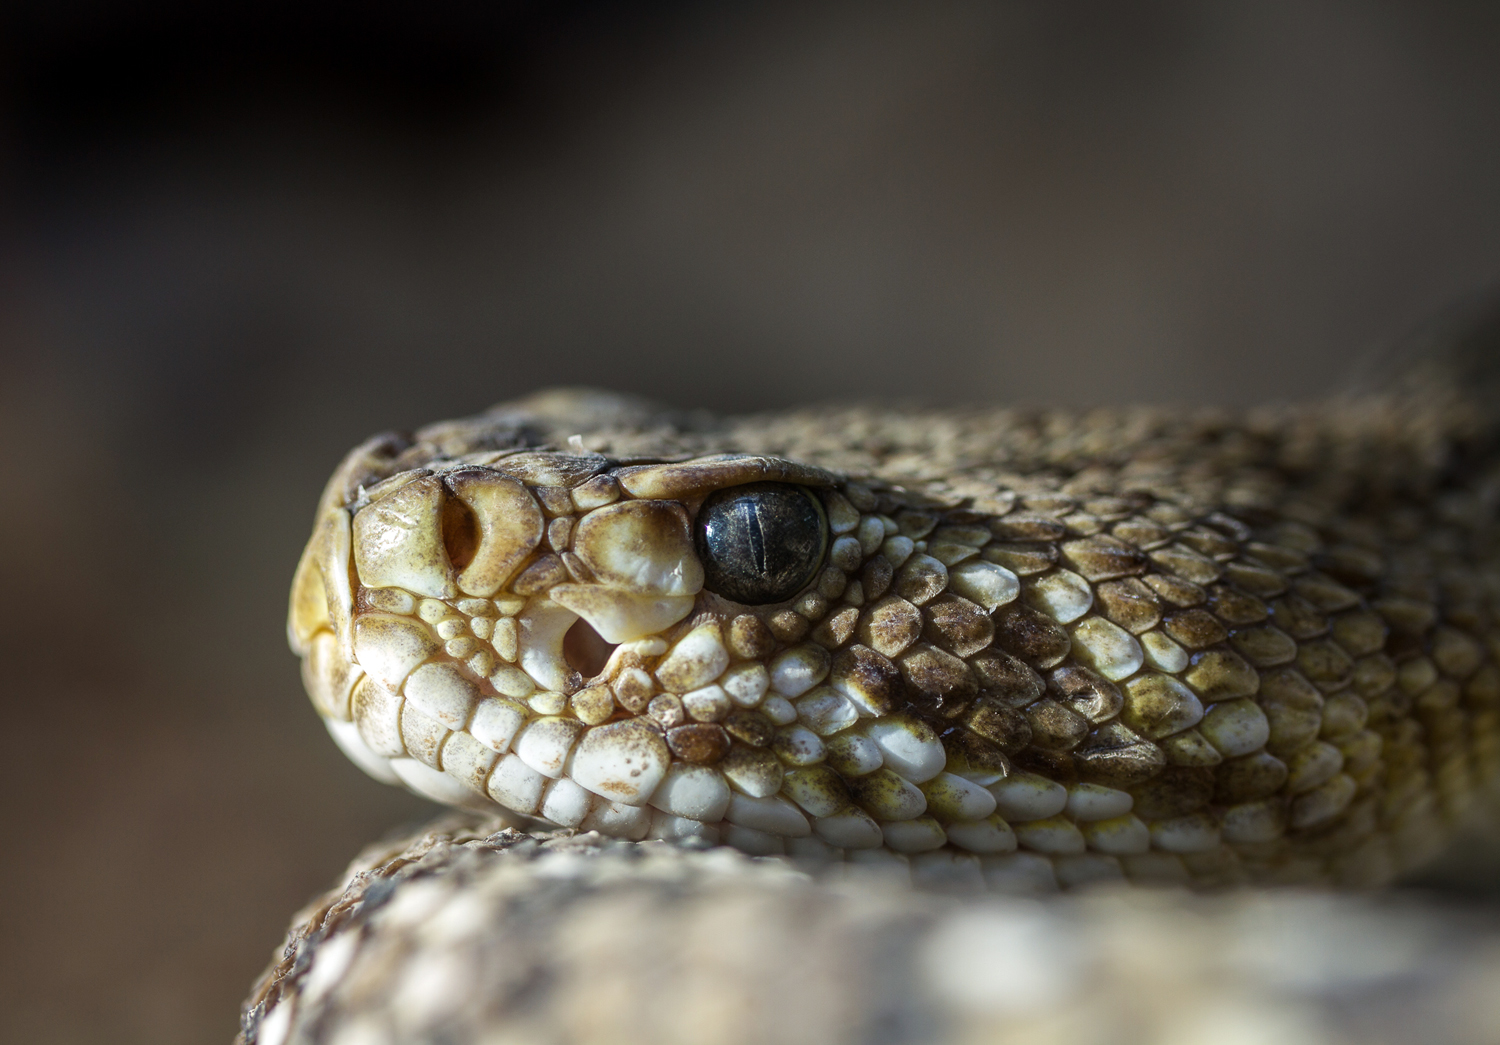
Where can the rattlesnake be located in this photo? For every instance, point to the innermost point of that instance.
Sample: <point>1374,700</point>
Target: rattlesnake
<point>983,650</point>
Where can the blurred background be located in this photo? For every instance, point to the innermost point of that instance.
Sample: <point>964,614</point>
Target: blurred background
<point>235,238</point>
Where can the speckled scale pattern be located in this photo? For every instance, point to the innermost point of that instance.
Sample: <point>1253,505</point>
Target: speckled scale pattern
<point>1051,650</point>
<point>467,933</point>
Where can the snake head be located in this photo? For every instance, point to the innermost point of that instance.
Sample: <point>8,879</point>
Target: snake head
<point>636,646</point>
<point>560,633</point>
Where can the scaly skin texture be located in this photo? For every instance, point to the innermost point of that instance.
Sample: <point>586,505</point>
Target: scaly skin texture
<point>469,933</point>
<point>1043,648</point>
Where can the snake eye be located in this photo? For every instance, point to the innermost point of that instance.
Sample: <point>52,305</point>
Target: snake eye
<point>760,543</point>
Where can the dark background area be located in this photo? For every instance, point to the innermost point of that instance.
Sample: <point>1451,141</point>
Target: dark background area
<point>236,238</point>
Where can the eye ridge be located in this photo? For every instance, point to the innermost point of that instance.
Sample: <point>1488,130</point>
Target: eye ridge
<point>762,542</point>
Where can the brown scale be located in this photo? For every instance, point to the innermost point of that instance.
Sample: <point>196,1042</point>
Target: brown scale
<point>1047,727</point>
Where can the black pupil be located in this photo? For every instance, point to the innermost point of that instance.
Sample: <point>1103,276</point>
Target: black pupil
<point>760,543</point>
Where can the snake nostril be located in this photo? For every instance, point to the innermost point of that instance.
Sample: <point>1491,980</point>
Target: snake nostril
<point>585,650</point>
<point>460,532</point>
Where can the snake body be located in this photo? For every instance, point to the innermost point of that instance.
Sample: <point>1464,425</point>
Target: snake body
<point>1041,649</point>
